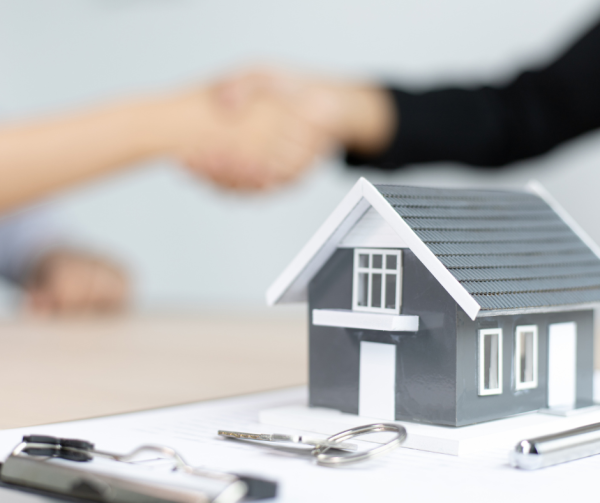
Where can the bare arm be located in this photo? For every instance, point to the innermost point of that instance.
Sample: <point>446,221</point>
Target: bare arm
<point>44,156</point>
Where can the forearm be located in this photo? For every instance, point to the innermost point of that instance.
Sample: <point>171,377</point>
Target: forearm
<point>494,126</point>
<point>41,157</point>
<point>368,119</point>
<point>456,125</point>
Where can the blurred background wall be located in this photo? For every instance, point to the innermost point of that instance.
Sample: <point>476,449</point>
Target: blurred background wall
<point>192,246</point>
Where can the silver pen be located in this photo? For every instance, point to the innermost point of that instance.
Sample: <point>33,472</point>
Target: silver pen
<point>557,448</point>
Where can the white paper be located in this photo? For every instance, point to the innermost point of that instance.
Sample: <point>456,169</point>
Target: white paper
<point>404,475</point>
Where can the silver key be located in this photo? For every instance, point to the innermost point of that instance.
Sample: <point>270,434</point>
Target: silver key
<point>294,439</point>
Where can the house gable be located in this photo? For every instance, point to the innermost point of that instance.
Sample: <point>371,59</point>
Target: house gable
<point>292,284</point>
<point>495,252</point>
<point>372,231</point>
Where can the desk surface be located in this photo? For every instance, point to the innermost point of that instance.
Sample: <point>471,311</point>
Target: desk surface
<point>60,371</point>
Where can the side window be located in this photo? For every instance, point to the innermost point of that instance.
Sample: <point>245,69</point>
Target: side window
<point>490,361</point>
<point>377,280</point>
<point>526,357</point>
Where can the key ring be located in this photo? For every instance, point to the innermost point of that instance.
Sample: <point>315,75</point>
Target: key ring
<point>325,459</point>
<point>321,446</point>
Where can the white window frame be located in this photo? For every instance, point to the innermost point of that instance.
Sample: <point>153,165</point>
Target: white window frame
<point>370,271</point>
<point>482,334</point>
<point>518,334</point>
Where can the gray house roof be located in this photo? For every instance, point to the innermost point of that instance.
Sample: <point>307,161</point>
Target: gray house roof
<point>493,251</point>
<point>509,249</point>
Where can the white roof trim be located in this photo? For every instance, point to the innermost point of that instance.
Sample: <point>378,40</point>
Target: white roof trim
<point>292,284</point>
<point>537,188</point>
<point>537,310</point>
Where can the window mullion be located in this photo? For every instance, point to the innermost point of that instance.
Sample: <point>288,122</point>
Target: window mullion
<point>383,282</point>
<point>398,283</point>
<point>370,287</point>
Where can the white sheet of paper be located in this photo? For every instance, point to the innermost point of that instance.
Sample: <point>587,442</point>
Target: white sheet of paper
<point>404,475</point>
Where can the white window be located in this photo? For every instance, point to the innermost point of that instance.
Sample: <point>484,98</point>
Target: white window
<point>376,280</point>
<point>526,357</point>
<point>490,361</point>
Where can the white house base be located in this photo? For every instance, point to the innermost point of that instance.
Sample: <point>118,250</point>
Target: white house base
<point>503,433</point>
<point>569,411</point>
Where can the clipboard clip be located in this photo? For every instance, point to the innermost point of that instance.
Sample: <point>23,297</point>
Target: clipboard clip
<point>75,467</point>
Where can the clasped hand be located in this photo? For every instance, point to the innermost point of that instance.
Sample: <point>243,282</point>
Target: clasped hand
<point>262,128</point>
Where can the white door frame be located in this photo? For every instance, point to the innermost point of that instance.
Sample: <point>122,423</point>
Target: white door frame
<point>562,365</point>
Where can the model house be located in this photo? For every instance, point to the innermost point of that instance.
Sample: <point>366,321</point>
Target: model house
<point>447,306</point>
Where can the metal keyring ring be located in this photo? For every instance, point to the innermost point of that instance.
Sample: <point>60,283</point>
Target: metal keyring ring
<point>334,460</point>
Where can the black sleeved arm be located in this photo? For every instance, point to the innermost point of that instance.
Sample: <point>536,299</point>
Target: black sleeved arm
<point>494,126</point>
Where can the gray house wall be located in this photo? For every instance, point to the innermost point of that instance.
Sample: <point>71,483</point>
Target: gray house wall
<point>472,408</point>
<point>333,352</point>
<point>425,361</point>
<point>436,367</point>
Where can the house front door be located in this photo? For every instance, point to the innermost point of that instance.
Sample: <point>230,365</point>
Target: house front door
<point>562,365</point>
<point>377,381</point>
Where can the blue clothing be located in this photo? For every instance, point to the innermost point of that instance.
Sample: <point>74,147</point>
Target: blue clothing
<point>24,236</point>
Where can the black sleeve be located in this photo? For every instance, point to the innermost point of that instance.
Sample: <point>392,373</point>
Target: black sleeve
<point>493,126</point>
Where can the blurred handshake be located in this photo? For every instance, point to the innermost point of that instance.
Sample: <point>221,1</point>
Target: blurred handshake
<point>263,127</point>
<point>252,130</point>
